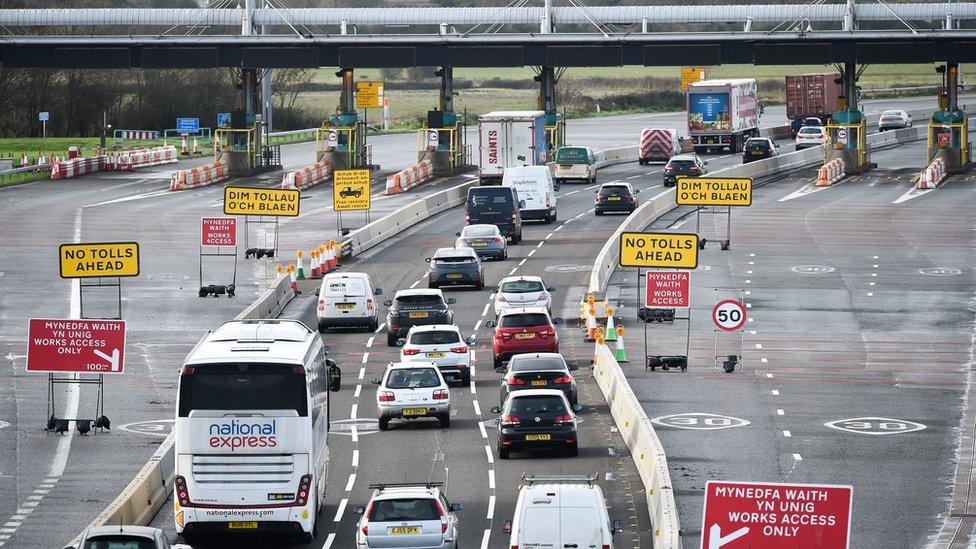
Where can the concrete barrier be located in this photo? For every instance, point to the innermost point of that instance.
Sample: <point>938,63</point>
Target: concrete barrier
<point>271,302</point>
<point>208,174</point>
<point>309,176</point>
<point>409,178</point>
<point>645,448</point>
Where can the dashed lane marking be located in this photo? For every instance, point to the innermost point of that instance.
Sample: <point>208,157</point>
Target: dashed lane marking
<point>477,407</point>
<point>350,482</point>
<point>365,357</point>
<point>797,457</point>
<point>775,392</point>
<point>787,434</point>
<point>340,510</point>
<point>491,502</point>
<point>491,458</point>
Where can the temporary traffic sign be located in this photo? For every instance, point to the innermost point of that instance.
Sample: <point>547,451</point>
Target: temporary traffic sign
<point>729,315</point>
<point>106,259</point>
<point>369,95</point>
<point>43,116</point>
<point>666,250</point>
<point>842,136</point>
<point>223,119</point>
<point>218,231</point>
<point>762,515</point>
<point>667,290</point>
<point>432,138</point>
<point>188,125</point>
<point>690,75</point>
<point>78,346</point>
<point>257,201</point>
<point>350,190</point>
<point>714,191</point>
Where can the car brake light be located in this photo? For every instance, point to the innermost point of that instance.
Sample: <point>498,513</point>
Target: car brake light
<point>366,518</point>
<point>512,380</point>
<point>668,169</point>
<point>543,296</point>
<point>181,492</point>
<point>410,351</point>
<point>547,333</point>
<point>187,371</point>
<point>563,418</point>
<point>497,239</point>
<point>441,394</point>
<point>563,379</point>
<point>443,515</point>
<point>502,298</point>
<point>386,396</point>
<point>506,335</point>
<point>694,170</point>
<point>321,305</point>
<point>513,216</point>
<point>304,489</point>
<point>467,218</point>
<point>298,370</point>
<point>459,350</point>
<point>511,420</point>
<point>369,304</point>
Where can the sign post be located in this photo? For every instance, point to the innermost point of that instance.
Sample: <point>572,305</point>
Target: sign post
<point>218,233</point>
<point>257,205</point>
<point>715,192</point>
<point>350,193</point>
<point>43,116</point>
<point>765,515</point>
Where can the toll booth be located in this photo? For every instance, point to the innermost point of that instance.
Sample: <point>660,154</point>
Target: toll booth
<point>555,131</point>
<point>343,143</point>
<point>443,141</point>
<point>948,138</point>
<point>847,139</point>
<point>237,149</point>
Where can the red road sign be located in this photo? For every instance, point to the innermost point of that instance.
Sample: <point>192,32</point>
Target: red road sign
<point>729,315</point>
<point>77,346</point>
<point>219,231</point>
<point>762,515</point>
<point>667,290</point>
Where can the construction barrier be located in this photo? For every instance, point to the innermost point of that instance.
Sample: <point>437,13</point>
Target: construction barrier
<point>136,135</point>
<point>207,174</point>
<point>140,158</point>
<point>411,177</point>
<point>63,169</point>
<point>645,448</point>
<point>308,176</point>
<point>933,174</point>
<point>830,173</point>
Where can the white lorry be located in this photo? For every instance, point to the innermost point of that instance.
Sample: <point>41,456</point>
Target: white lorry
<point>722,114</point>
<point>510,138</point>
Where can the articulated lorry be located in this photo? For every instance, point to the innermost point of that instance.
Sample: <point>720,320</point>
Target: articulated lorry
<point>510,138</point>
<point>722,114</point>
<point>812,96</point>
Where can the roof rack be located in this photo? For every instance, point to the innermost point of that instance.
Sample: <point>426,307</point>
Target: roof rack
<point>549,479</point>
<point>385,485</point>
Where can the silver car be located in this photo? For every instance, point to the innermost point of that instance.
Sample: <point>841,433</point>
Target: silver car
<point>141,537</point>
<point>486,240</point>
<point>412,390</point>
<point>408,516</point>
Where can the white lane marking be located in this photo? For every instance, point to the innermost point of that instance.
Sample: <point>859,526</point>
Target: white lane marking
<point>352,413</point>
<point>491,458</point>
<point>748,282</point>
<point>354,432</point>
<point>350,482</point>
<point>633,177</point>
<point>912,193</point>
<point>491,479</point>
<point>359,388</point>
<point>485,310</point>
<point>775,392</point>
<point>748,292</point>
<point>477,408</point>
<point>769,375</point>
<point>477,325</point>
<point>491,503</point>
<point>355,459</point>
<point>414,285</point>
<point>787,434</point>
<point>797,457</point>
<point>472,360</point>
<point>340,510</point>
<point>369,342</point>
<point>752,255</point>
<point>748,305</point>
<point>548,236</point>
<point>874,274</point>
<point>875,257</point>
<point>871,283</point>
<point>510,273</point>
<point>749,272</point>
<point>133,197</point>
<point>365,357</point>
<point>484,433</point>
<point>328,541</point>
<point>752,262</point>
<point>753,332</point>
<point>809,188</point>
<point>763,360</point>
<point>380,329</point>
<point>362,373</point>
<point>875,266</point>
<point>759,345</point>
<point>529,254</point>
<point>780,412</point>
<point>870,294</point>
<point>540,244</point>
<point>558,228</point>
<point>485,538</point>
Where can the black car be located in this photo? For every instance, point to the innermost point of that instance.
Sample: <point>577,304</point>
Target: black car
<point>615,197</point>
<point>538,371</point>
<point>455,267</point>
<point>416,308</point>
<point>537,419</point>
<point>759,148</point>
<point>495,205</point>
<point>688,165</point>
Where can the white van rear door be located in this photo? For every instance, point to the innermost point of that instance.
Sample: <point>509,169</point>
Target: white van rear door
<point>346,297</point>
<point>539,528</point>
<point>530,189</point>
<point>580,527</point>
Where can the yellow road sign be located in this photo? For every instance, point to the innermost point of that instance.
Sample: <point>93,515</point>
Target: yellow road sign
<point>691,74</point>
<point>350,190</point>
<point>104,259</point>
<point>369,95</point>
<point>255,201</point>
<point>714,191</point>
<point>665,250</point>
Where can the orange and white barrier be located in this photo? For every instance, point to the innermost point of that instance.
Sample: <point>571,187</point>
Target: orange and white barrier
<point>308,176</point>
<point>830,173</point>
<point>207,174</point>
<point>404,180</point>
<point>139,158</point>
<point>932,175</point>
<point>63,169</point>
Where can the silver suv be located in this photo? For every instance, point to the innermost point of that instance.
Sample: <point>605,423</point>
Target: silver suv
<point>408,516</point>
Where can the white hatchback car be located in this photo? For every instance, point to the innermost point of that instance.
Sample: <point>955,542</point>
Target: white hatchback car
<point>443,345</point>
<point>412,390</point>
<point>405,515</point>
<point>810,136</point>
<point>515,292</point>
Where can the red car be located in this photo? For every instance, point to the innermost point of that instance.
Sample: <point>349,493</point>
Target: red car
<point>523,330</point>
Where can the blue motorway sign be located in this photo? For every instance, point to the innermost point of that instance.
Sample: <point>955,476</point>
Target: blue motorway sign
<point>223,119</point>
<point>188,125</point>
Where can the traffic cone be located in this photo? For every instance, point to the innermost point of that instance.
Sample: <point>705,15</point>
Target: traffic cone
<point>196,147</point>
<point>591,323</point>
<point>184,145</point>
<point>611,330</point>
<point>337,248</point>
<point>332,256</point>
<point>314,262</point>
<point>596,348</point>
<point>280,269</point>
<point>24,161</point>
<point>291,274</point>
<point>300,270</point>
<point>620,355</point>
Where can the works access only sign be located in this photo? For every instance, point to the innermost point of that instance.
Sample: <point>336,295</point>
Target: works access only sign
<point>218,231</point>
<point>667,290</point>
<point>76,346</point>
<point>754,515</point>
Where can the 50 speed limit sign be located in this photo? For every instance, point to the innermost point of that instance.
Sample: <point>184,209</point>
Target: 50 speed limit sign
<point>729,315</point>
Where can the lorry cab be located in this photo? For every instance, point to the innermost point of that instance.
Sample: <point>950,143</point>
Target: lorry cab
<point>535,187</point>
<point>561,511</point>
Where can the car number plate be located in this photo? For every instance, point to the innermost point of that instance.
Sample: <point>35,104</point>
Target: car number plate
<point>479,244</point>
<point>418,314</point>
<point>528,335</point>
<point>436,355</point>
<point>414,411</point>
<point>401,530</point>
<point>613,198</point>
<point>243,525</point>
<point>539,382</point>
<point>345,306</point>
<point>455,275</point>
<point>538,437</point>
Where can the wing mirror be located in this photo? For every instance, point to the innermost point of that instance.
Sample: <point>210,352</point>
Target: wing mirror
<point>469,340</point>
<point>636,191</point>
<point>490,324</point>
<point>507,527</point>
<point>496,409</point>
<point>573,367</point>
<point>457,234</point>
<point>427,260</point>
<point>317,291</point>
<point>557,321</point>
<point>401,342</point>
<point>375,381</point>
<point>500,370</point>
<point>335,377</point>
<point>456,507</point>
<point>378,291</point>
<point>451,301</point>
<point>521,203</point>
<point>618,527</point>
<point>359,509</point>
<point>577,408</point>
<point>551,289</point>
<point>388,303</point>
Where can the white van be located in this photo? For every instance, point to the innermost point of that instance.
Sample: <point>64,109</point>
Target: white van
<point>536,191</point>
<point>347,299</point>
<point>561,511</point>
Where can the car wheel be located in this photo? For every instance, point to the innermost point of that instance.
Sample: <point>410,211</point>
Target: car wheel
<point>432,286</point>
<point>322,326</point>
<point>374,325</point>
<point>597,212</point>
<point>503,452</point>
<point>519,236</point>
<point>504,255</point>
<point>445,420</point>
<point>391,339</point>
<point>384,423</point>
<point>479,286</point>
<point>466,379</point>
<point>573,450</point>
<point>555,215</point>
<point>498,362</point>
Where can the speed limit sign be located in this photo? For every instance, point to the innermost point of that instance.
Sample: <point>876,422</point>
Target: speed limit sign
<point>729,315</point>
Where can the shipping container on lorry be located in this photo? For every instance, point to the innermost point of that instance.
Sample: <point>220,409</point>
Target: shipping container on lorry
<point>722,114</point>
<point>510,138</point>
<point>812,95</point>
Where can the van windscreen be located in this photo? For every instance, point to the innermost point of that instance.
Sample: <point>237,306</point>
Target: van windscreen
<point>243,386</point>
